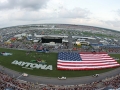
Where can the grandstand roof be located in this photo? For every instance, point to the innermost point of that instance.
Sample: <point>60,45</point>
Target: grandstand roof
<point>83,37</point>
<point>58,36</point>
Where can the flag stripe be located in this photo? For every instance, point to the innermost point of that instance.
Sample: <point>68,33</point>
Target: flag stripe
<point>88,64</point>
<point>85,67</point>
<point>100,60</point>
<point>76,61</point>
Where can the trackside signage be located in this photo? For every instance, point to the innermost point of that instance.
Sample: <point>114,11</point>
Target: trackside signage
<point>32,65</point>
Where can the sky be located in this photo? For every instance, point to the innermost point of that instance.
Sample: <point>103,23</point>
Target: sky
<point>99,13</point>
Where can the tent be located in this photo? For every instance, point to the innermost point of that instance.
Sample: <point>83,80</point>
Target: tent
<point>78,43</point>
<point>43,50</point>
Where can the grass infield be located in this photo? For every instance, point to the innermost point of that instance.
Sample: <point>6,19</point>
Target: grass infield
<point>51,59</point>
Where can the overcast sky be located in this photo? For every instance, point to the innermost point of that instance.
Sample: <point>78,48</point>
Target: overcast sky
<point>100,13</point>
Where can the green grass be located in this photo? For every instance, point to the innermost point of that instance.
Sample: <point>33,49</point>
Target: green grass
<point>51,59</point>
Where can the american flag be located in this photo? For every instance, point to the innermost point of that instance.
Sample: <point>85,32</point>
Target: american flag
<point>85,61</point>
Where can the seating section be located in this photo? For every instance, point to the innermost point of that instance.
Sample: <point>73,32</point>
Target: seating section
<point>15,84</point>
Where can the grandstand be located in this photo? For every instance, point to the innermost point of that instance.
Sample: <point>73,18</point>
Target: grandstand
<point>58,41</point>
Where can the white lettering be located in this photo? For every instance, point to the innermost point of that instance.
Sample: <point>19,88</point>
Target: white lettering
<point>14,62</point>
<point>27,64</point>
<point>23,63</point>
<point>19,63</point>
<point>40,66</point>
<point>32,65</point>
<point>43,66</point>
<point>49,67</point>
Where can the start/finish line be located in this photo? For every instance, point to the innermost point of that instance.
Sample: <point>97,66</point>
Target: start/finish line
<point>32,65</point>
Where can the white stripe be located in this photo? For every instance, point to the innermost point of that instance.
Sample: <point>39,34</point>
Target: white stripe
<point>87,66</point>
<point>88,63</point>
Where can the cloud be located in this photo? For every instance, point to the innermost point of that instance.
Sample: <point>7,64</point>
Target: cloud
<point>74,13</point>
<point>44,14</point>
<point>118,12</point>
<point>23,4</point>
<point>18,15</point>
<point>32,10</point>
<point>115,23</point>
<point>17,12</point>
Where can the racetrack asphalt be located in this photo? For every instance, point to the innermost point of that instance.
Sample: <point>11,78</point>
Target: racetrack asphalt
<point>56,81</point>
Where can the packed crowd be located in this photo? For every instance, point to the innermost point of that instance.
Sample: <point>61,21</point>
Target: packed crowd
<point>28,45</point>
<point>7,81</point>
<point>16,84</point>
<point>113,50</point>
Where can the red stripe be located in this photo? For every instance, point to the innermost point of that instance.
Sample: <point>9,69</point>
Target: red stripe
<point>89,64</point>
<point>80,67</point>
<point>89,61</point>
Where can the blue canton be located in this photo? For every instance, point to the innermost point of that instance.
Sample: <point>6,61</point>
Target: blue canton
<point>69,56</point>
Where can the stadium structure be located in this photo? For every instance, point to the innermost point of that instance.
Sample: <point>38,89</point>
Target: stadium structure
<point>77,47</point>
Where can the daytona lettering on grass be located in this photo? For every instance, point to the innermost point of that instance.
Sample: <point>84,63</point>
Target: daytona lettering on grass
<point>32,65</point>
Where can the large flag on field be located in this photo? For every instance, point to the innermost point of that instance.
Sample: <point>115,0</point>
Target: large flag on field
<point>85,61</point>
